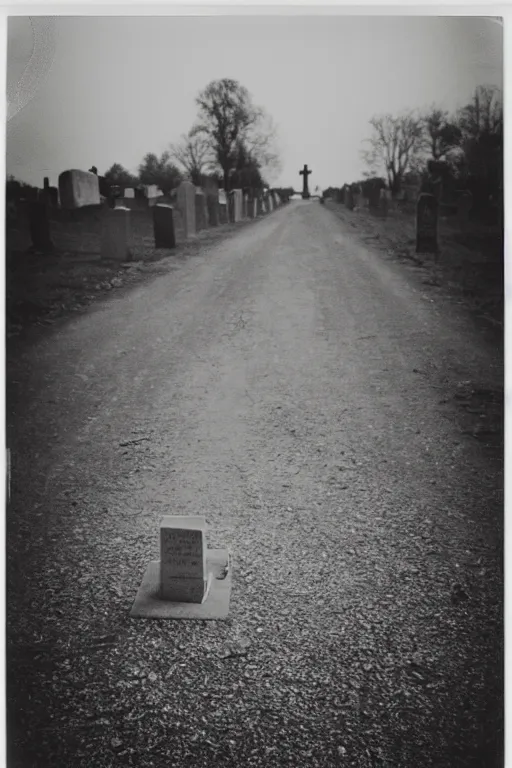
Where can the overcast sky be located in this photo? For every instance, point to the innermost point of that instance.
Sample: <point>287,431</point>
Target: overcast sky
<point>119,87</point>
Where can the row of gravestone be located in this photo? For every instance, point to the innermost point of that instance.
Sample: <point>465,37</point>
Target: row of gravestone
<point>381,201</point>
<point>427,213</point>
<point>199,209</point>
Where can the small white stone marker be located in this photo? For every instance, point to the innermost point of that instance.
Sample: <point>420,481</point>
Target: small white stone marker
<point>189,581</point>
<point>183,559</point>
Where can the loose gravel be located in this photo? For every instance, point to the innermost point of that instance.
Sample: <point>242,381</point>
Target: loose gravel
<point>300,393</point>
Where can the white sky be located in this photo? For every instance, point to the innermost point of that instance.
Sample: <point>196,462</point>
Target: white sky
<point>119,87</point>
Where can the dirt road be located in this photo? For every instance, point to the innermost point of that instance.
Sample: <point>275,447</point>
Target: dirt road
<point>301,392</point>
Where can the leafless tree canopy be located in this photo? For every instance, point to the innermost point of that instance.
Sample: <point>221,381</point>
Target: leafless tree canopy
<point>396,145</point>
<point>193,154</point>
<point>227,119</point>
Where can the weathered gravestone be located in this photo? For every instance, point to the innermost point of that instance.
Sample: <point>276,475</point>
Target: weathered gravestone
<point>183,577</point>
<point>464,206</point>
<point>384,201</point>
<point>426,224</point>
<point>230,206</point>
<point>237,205</point>
<point>129,192</point>
<point>151,193</point>
<point>39,224</point>
<point>374,200</point>
<point>116,234</point>
<point>349,199</point>
<point>201,213</point>
<point>53,197</point>
<point>78,189</point>
<point>270,202</point>
<point>163,226</point>
<point>187,205</point>
<point>223,213</point>
<point>190,580</point>
<point>253,208</point>
<point>211,190</point>
<point>245,206</point>
<point>223,207</point>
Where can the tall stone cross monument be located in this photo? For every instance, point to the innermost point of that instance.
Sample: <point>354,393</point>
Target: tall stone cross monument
<point>305,191</point>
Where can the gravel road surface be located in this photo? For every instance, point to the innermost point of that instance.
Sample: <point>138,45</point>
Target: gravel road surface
<point>300,391</point>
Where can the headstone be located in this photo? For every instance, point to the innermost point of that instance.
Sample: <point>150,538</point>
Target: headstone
<point>183,575</point>
<point>151,191</point>
<point>213,210</point>
<point>254,208</point>
<point>201,213</point>
<point>130,193</point>
<point>270,202</point>
<point>426,224</point>
<point>245,206</point>
<point>190,581</point>
<point>374,199</point>
<point>78,189</point>
<point>384,198</point>
<point>211,190</point>
<point>187,206</point>
<point>223,207</point>
<point>237,204</point>
<point>53,197</point>
<point>349,199</point>
<point>116,234</point>
<point>39,226</point>
<point>464,206</point>
<point>278,198</point>
<point>163,226</point>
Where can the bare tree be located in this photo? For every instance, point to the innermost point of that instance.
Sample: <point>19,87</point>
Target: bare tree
<point>193,154</point>
<point>395,146</point>
<point>442,135</point>
<point>227,116</point>
<point>481,124</point>
<point>483,115</point>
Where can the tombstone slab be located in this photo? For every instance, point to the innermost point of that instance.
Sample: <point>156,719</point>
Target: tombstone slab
<point>201,211</point>
<point>187,205</point>
<point>237,205</point>
<point>213,211</point>
<point>78,189</point>
<point>189,581</point>
<point>427,214</point>
<point>39,226</point>
<point>183,576</point>
<point>116,234</point>
<point>163,226</point>
<point>464,206</point>
<point>211,190</point>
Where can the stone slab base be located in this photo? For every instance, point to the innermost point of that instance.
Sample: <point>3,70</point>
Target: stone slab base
<point>149,605</point>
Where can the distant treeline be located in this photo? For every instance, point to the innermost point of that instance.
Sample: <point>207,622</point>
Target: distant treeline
<point>433,149</point>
